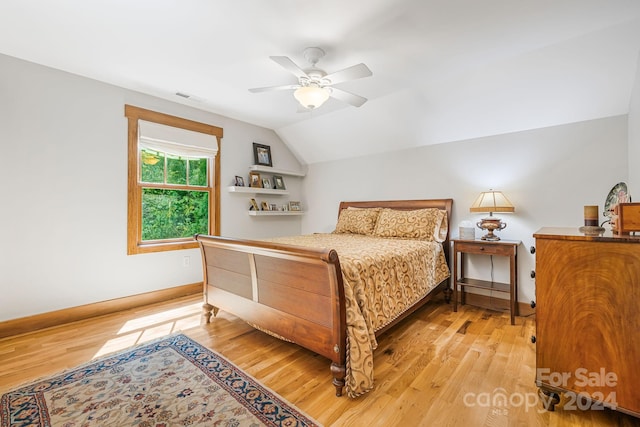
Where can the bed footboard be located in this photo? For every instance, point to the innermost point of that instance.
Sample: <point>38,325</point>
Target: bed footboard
<point>264,284</point>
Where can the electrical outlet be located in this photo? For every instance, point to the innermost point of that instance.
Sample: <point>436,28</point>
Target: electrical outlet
<point>186,261</point>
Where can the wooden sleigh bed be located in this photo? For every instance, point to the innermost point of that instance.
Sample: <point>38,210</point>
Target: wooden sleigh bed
<point>301,293</point>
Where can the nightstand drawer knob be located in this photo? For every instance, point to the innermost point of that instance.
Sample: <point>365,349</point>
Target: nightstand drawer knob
<point>481,248</point>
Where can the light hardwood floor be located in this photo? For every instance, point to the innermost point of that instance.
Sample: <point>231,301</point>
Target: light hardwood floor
<point>436,368</point>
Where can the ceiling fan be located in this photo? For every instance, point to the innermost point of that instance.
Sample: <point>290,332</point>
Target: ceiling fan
<point>315,86</point>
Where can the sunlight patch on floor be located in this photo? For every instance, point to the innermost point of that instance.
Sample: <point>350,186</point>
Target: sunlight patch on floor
<point>153,319</point>
<point>117,344</point>
<point>151,327</point>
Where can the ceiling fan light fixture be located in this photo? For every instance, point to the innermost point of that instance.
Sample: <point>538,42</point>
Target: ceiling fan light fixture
<point>311,97</point>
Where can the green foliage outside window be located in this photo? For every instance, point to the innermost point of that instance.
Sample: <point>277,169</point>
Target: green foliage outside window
<point>152,166</point>
<point>168,213</point>
<point>198,172</point>
<point>176,170</point>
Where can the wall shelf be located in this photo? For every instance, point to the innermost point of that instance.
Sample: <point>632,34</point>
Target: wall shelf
<point>275,213</point>
<point>257,190</point>
<point>267,169</point>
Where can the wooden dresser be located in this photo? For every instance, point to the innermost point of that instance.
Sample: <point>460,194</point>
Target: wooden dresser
<point>588,319</point>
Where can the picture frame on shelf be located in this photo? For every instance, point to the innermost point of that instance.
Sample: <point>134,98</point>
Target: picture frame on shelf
<point>273,207</point>
<point>266,183</point>
<point>254,205</point>
<point>265,206</point>
<point>239,181</point>
<point>278,182</point>
<point>254,180</point>
<point>262,154</point>
<point>295,206</point>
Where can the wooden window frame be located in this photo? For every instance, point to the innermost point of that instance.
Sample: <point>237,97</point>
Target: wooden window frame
<point>135,245</point>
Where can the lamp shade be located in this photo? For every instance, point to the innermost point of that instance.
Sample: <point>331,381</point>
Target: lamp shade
<point>492,201</point>
<point>311,96</point>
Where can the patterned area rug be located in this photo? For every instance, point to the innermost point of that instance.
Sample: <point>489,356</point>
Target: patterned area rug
<point>173,381</point>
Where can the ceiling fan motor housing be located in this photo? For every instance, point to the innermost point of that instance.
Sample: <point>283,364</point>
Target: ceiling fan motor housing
<point>315,77</point>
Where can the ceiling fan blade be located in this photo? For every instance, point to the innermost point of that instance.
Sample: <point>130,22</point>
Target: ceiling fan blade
<point>270,88</point>
<point>350,73</point>
<point>290,66</point>
<point>348,97</point>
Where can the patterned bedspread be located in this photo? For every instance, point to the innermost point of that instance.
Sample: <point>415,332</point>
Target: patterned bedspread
<point>382,278</point>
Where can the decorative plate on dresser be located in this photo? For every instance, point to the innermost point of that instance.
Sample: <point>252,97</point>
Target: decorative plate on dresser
<point>618,194</point>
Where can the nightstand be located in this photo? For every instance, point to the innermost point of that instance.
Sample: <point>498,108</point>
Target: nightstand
<point>508,248</point>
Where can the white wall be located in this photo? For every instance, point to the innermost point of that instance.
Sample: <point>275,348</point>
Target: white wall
<point>634,139</point>
<point>549,174</point>
<point>63,181</point>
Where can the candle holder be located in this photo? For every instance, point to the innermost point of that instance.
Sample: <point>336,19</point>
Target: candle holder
<point>591,227</point>
<point>591,230</point>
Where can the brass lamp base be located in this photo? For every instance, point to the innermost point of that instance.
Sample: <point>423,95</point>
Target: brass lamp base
<point>490,224</point>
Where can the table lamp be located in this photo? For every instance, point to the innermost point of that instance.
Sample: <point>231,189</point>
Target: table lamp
<point>491,201</point>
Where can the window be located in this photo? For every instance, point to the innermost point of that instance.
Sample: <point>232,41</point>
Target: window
<point>173,192</point>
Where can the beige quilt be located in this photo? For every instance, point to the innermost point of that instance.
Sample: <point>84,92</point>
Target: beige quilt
<point>382,278</point>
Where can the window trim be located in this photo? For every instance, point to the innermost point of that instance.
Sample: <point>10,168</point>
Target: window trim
<point>134,186</point>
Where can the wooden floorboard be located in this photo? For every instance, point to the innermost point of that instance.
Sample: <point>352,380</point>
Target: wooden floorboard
<point>425,368</point>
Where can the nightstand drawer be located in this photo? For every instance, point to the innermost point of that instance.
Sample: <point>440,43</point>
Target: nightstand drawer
<point>482,247</point>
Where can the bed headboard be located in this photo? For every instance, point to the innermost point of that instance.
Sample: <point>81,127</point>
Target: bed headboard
<point>407,205</point>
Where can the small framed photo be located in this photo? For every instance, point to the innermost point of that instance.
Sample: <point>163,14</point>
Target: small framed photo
<point>278,182</point>
<point>294,206</point>
<point>262,154</point>
<point>273,207</point>
<point>265,206</point>
<point>254,205</point>
<point>239,181</point>
<point>266,183</point>
<point>254,180</point>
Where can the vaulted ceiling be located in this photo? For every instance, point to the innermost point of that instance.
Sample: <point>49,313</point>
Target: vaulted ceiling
<point>443,70</point>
